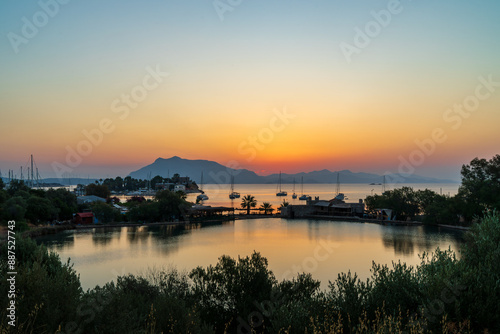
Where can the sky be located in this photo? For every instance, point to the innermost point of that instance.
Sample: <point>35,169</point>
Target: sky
<point>100,89</point>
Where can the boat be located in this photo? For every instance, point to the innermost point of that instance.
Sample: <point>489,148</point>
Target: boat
<point>233,193</point>
<point>280,192</point>
<point>202,196</point>
<point>302,196</point>
<point>294,196</point>
<point>339,196</point>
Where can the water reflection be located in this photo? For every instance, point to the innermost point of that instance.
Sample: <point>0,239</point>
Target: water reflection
<point>406,240</point>
<point>104,236</point>
<point>57,242</point>
<point>285,243</point>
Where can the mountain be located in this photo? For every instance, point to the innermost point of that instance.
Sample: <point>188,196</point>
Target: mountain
<point>214,172</point>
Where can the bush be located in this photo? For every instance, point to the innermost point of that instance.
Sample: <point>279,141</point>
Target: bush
<point>44,285</point>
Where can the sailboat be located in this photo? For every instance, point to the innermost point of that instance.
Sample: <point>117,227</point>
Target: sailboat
<point>202,196</point>
<point>294,196</point>
<point>339,196</point>
<point>233,193</point>
<point>280,192</point>
<point>302,196</point>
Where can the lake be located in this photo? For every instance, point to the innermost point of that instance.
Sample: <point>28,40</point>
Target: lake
<point>322,248</point>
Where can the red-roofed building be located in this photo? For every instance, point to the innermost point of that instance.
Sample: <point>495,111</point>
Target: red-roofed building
<point>84,218</point>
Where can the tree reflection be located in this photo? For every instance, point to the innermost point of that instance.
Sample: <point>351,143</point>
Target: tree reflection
<point>405,240</point>
<point>103,236</point>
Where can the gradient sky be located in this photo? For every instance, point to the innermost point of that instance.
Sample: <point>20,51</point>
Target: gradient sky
<point>228,78</point>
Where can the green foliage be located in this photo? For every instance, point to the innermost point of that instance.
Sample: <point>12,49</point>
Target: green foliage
<point>147,211</point>
<point>15,186</point>
<point>64,201</point>
<point>43,283</point>
<point>349,296</point>
<point>248,202</point>
<point>171,205</point>
<point>394,289</point>
<point>227,291</point>
<point>166,206</point>
<point>116,184</point>
<point>40,210</point>
<point>480,270</point>
<point>266,207</point>
<point>104,212</point>
<point>480,189</point>
<point>14,208</point>
<point>97,190</point>
<point>403,201</point>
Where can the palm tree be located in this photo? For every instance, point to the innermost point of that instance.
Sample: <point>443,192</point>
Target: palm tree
<point>283,205</point>
<point>266,206</point>
<point>248,202</point>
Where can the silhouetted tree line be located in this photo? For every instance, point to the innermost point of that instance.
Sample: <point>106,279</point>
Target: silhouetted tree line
<point>479,191</point>
<point>24,204</point>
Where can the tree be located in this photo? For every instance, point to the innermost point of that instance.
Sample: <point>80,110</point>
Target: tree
<point>403,201</point>
<point>248,202</point>
<point>155,180</point>
<point>15,186</point>
<point>2,184</point>
<point>14,208</point>
<point>266,206</point>
<point>64,201</point>
<point>480,187</point>
<point>97,190</point>
<point>40,209</point>
<point>283,205</point>
<point>176,178</point>
<point>171,204</point>
<point>145,212</point>
<point>103,212</point>
<point>231,289</point>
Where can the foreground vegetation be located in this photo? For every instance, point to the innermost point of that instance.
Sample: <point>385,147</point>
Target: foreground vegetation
<point>441,295</point>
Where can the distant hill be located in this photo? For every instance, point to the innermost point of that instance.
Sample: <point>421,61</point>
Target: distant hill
<point>215,173</point>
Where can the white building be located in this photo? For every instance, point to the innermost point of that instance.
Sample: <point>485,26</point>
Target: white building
<point>180,187</point>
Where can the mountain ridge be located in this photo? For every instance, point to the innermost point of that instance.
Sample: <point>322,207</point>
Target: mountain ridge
<point>216,173</point>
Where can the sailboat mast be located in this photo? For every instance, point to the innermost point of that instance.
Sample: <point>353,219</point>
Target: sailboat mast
<point>201,186</point>
<point>32,178</point>
<point>338,184</point>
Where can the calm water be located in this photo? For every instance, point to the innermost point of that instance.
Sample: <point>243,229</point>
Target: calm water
<point>322,248</point>
<point>219,194</point>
